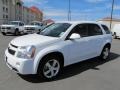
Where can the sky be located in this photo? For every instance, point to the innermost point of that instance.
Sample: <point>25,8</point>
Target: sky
<point>57,10</point>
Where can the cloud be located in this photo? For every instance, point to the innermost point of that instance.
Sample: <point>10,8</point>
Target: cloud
<point>28,0</point>
<point>116,7</point>
<point>95,1</point>
<point>61,14</point>
<point>35,2</point>
<point>55,12</point>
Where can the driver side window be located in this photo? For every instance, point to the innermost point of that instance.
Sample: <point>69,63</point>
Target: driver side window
<point>81,29</point>
<point>21,24</point>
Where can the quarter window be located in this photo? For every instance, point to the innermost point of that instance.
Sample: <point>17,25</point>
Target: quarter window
<point>106,29</point>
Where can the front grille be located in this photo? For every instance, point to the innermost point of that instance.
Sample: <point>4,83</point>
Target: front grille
<point>28,28</point>
<point>6,28</point>
<point>3,28</point>
<point>12,52</point>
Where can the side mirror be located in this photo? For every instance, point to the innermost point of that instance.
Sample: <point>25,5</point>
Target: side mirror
<point>75,36</point>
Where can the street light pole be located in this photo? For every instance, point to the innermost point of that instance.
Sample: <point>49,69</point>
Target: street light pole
<point>69,11</point>
<point>113,1</point>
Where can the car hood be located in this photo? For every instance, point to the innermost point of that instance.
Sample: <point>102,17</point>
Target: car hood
<point>33,39</point>
<point>8,25</point>
<point>30,26</point>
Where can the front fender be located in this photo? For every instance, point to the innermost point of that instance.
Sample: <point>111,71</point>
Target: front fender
<point>42,53</point>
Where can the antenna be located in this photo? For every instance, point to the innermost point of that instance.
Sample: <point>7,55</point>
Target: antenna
<point>113,1</point>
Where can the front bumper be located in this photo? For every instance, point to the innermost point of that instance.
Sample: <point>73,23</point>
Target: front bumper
<point>21,66</point>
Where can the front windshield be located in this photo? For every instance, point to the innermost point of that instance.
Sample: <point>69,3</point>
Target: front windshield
<point>55,30</point>
<point>14,23</point>
<point>32,23</point>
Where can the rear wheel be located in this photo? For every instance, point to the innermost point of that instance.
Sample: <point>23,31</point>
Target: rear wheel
<point>105,53</point>
<point>49,68</point>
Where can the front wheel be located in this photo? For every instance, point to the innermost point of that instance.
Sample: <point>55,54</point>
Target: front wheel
<point>49,68</point>
<point>105,53</point>
<point>16,32</point>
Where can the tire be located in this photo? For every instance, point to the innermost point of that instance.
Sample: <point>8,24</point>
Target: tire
<point>16,32</point>
<point>114,36</point>
<point>39,31</point>
<point>105,53</point>
<point>3,33</point>
<point>49,68</point>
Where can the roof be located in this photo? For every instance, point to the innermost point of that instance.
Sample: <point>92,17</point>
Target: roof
<point>15,21</point>
<point>49,21</point>
<point>35,9</point>
<point>78,22</point>
<point>109,19</point>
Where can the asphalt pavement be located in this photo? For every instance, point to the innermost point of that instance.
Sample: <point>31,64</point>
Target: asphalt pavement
<point>88,75</point>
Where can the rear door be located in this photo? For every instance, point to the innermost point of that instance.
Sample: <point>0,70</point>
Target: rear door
<point>96,39</point>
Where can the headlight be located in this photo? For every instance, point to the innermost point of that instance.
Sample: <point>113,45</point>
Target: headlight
<point>27,52</point>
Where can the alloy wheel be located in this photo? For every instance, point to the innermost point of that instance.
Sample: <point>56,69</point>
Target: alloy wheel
<point>105,53</point>
<point>51,68</point>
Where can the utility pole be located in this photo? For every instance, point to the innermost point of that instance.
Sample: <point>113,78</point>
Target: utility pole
<point>113,1</point>
<point>69,11</point>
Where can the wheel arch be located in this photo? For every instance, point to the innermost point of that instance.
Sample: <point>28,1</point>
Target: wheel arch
<point>16,28</point>
<point>107,44</point>
<point>56,53</point>
<point>104,45</point>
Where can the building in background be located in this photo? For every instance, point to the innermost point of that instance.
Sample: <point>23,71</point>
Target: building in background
<point>107,21</point>
<point>14,10</point>
<point>32,14</point>
<point>37,12</point>
<point>48,21</point>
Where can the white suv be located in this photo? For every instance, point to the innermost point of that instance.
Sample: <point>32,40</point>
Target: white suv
<point>13,27</point>
<point>58,45</point>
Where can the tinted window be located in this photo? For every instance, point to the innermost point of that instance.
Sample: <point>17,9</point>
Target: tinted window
<point>21,24</point>
<point>94,29</point>
<point>79,29</point>
<point>106,29</point>
<point>83,30</point>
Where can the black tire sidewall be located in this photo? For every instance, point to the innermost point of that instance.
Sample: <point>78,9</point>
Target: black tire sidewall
<point>16,32</point>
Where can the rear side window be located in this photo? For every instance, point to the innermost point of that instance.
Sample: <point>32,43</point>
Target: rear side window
<point>106,29</point>
<point>94,29</point>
